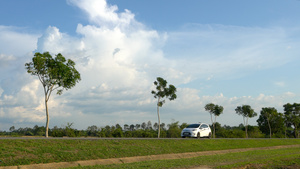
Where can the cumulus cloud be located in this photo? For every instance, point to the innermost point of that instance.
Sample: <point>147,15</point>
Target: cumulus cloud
<point>103,14</point>
<point>57,42</point>
<point>119,58</point>
<point>15,41</point>
<point>113,81</point>
<point>6,60</point>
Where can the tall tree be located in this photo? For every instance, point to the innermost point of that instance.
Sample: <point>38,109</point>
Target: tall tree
<point>292,115</point>
<point>131,127</point>
<point>155,126</point>
<point>126,127</point>
<point>12,129</point>
<point>149,125</point>
<point>54,74</point>
<point>247,112</point>
<point>215,110</point>
<point>144,125</point>
<point>162,91</point>
<point>137,126</point>
<point>270,121</point>
<point>92,130</point>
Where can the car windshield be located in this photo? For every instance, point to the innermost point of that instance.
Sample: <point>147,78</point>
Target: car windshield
<point>193,126</point>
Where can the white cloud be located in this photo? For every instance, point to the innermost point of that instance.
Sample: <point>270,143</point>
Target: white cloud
<point>5,60</point>
<point>119,58</point>
<point>56,42</point>
<point>280,84</point>
<point>223,51</point>
<point>103,14</point>
<point>15,41</point>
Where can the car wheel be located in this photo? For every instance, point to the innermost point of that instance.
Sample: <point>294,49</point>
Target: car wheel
<point>198,135</point>
<point>209,135</point>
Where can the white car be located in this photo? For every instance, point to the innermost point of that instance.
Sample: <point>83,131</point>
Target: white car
<point>196,130</point>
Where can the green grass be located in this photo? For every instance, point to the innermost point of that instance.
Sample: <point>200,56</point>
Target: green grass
<point>24,152</point>
<point>279,158</point>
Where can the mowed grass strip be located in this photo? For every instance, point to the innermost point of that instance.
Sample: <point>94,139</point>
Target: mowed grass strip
<point>278,158</point>
<point>31,151</point>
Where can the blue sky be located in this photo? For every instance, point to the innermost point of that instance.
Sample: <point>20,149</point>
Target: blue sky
<point>226,52</point>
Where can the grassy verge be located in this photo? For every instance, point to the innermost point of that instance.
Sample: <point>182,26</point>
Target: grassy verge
<point>24,152</point>
<point>280,158</point>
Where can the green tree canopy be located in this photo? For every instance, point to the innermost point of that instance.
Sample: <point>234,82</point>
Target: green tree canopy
<point>54,74</point>
<point>270,121</point>
<point>292,116</point>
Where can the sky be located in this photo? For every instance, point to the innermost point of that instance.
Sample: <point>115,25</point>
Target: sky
<point>230,53</point>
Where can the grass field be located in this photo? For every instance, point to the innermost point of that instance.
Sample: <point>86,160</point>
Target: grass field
<point>281,158</point>
<point>34,151</point>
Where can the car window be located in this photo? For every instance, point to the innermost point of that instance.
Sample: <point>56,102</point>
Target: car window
<point>193,126</point>
<point>204,126</point>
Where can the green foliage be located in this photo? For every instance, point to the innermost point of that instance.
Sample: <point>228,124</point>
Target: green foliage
<point>292,116</point>
<point>229,132</point>
<point>174,130</point>
<point>215,110</point>
<point>162,91</point>
<point>57,132</point>
<point>69,131</point>
<point>183,125</point>
<point>117,133</point>
<point>271,122</point>
<point>254,132</point>
<point>247,112</point>
<point>54,74</point>
<point>92,131</point>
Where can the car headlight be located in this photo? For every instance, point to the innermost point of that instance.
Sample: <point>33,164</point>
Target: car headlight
<point>194,129</point>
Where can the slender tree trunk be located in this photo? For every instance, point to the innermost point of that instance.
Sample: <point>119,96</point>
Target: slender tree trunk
<point>285,133</point>
<point>47,96</point>
<point>285,128</point>
<point>158,135</point>
<point>296,131</point>
<point>47,116</point>
<point>246,126</point>
<point>269,127</point>
<point>214,135</point>
<point>213,124</point>
<point>215,127</point>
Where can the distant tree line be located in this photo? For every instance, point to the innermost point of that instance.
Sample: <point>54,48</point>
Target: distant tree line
<point>147,130</point>
<point>271,123</point>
